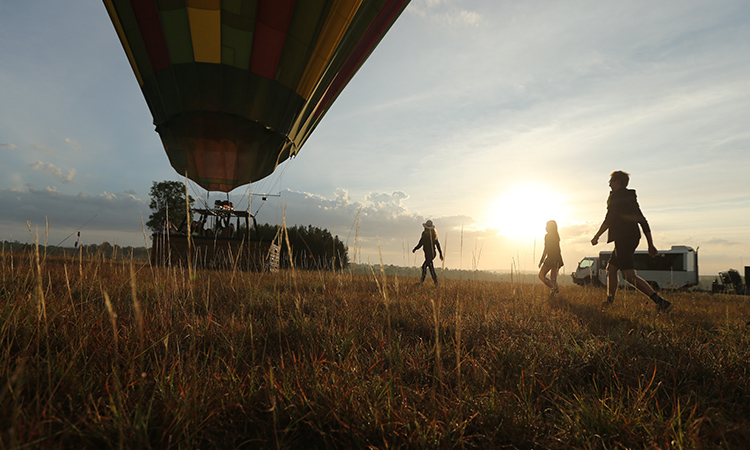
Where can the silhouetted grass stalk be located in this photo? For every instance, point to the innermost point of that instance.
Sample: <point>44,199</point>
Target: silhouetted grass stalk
<point>355,250</point>
<point>138,317</point>
<point>112,319</point>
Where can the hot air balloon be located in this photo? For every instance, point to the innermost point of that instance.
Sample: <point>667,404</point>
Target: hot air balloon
<point>236,87</point>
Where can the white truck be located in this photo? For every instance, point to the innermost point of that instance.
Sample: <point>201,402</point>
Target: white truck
<point>676,268</point>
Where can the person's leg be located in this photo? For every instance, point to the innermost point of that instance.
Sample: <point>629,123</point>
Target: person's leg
<point>424,270</point>
<point>639,283</point>
<point>553,278</point>
<point>432,272</point>
<point>642,285</point>
<point>611,281</point>
<point>622,260</point>
<point>543,275</point>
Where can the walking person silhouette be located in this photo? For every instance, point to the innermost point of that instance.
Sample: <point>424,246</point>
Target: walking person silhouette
<point>551,260</point>
<point>622,220</point>
<point>429,242</point>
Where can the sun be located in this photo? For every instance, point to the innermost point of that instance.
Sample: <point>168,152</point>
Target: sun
<point>521,213</point>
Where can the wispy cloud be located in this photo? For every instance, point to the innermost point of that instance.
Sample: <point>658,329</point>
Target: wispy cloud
<point>446,12</point>
<point>722,242</point>
<point>9,146</point>
<point>73,144</point>
<point>115,213</point>
<point>53,170</point>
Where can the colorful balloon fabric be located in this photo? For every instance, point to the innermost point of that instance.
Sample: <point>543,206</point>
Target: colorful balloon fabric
<point>236,87</point>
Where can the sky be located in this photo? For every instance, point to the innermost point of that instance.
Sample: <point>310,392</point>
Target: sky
<point>487,117</point>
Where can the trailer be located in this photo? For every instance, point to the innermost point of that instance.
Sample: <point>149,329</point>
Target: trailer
<point>676,268</point>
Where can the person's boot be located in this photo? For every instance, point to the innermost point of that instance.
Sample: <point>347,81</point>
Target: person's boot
<point>609,301</point>
<point>662,305</point>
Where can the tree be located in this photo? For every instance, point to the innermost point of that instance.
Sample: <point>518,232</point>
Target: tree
<point>167,204</point>
<point>312,248</point>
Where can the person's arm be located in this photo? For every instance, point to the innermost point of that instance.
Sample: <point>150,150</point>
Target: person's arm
<point>646,231</point>
<point>418,245</point>
<point>651,247</point>
<point>604,227</point>
<point>544,255</point>
<point>440,251</point>
<point>605,223</point>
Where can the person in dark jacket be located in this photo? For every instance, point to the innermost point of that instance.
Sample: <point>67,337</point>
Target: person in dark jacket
<point>551,258</point>
<point>429,242</point>
<point>622,220</point>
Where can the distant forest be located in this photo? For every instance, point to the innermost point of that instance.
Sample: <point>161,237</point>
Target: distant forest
<point>105,250</point>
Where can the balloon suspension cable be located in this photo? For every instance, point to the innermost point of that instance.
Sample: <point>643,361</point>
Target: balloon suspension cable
<point>241,200</point>
<point>263,197</point>
<point>268,184</point>
<point>200,196</point>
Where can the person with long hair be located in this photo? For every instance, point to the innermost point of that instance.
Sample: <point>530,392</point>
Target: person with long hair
<point>429,242</point>
<point>551,258</point>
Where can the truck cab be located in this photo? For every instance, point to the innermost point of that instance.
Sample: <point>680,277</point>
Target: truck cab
<point>587,272</point>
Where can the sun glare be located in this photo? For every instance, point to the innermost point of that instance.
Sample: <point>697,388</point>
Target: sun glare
<point>522,212</point>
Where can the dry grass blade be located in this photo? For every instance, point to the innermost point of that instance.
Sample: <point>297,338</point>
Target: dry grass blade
<point>112,318</point>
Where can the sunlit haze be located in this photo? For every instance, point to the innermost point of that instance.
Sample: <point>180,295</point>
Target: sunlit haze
<point>522,211</point>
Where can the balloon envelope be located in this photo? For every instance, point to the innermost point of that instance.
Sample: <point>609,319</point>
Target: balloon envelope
<point>237,86</point>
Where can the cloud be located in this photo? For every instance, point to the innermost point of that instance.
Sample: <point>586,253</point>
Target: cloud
<point>73,144</point>
<point>106,216</point>
<point>9,146</point>
<point>53,170</point>
<point>445,12</point>
<point>722,242</point>
<point>391,204</point>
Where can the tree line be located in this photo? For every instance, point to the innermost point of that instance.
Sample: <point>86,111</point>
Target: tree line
<point>313,248</point>
<point>105,250</point>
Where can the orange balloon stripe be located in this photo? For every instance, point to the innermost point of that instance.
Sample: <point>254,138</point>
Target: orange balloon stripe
<point>375,32</point>
<point>123,39</point>
<point>336,25</point>
<point>370,40</point>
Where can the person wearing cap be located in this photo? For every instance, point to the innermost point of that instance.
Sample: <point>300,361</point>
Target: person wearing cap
<point>622,220</point>
<point>429,242</point>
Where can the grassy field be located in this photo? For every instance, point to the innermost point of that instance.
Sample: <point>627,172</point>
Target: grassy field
<point>97,353</point>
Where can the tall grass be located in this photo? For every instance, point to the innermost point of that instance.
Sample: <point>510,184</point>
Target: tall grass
<point>129,357</point>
